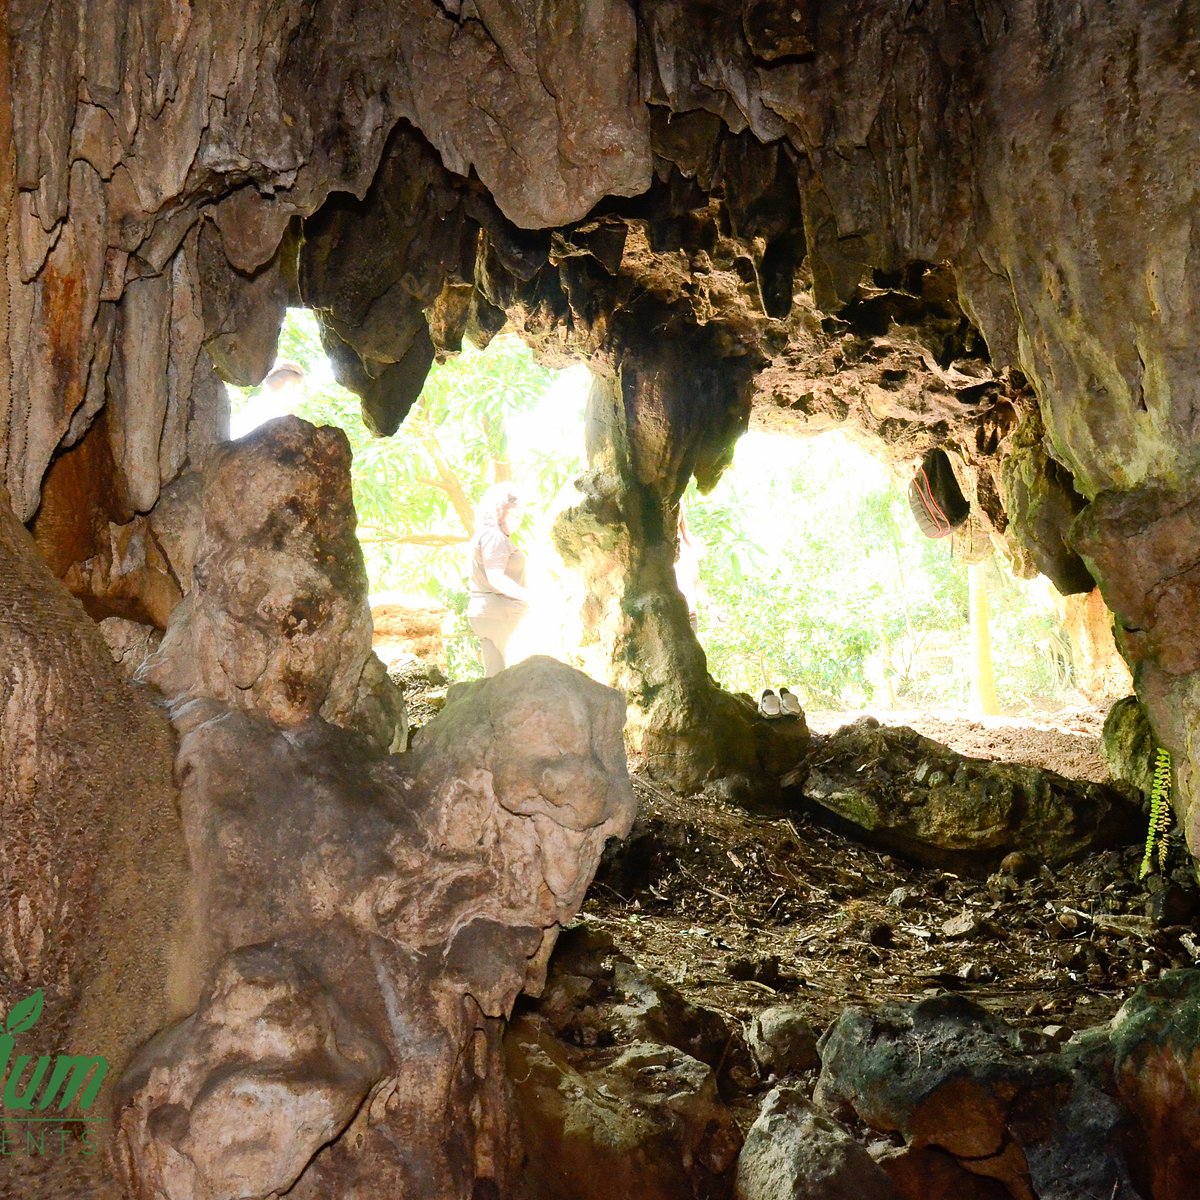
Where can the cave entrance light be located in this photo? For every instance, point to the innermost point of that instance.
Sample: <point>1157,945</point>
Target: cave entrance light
<point>484,416</point>
<point>816,577</point>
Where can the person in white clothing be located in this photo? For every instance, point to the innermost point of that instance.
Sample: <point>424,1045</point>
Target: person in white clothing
<point>499,598</point>
<point>687,567</point>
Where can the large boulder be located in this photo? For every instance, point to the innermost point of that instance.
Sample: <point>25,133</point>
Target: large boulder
<point>944,1073</point>
<point>647,1122</point>
<point>914,796</point>
<point>795,1152</point>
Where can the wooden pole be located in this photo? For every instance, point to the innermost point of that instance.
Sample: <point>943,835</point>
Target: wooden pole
<point>983,683</point>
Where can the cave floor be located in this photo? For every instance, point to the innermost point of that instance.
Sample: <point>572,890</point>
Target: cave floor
<point>744,910</point>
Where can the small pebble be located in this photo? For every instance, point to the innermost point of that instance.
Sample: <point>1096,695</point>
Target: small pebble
<point>1019,864</point>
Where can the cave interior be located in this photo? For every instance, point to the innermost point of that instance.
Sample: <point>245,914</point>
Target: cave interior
<point>318,964</point>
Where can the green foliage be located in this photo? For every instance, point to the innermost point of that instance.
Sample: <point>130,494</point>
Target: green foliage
<point>815,573</point>
<point>415,493</point>
<point>1160,813</point>
<point>817,576</point>
<point>24,1014</point>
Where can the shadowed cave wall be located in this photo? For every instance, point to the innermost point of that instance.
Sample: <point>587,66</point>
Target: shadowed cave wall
<point>939,224</point>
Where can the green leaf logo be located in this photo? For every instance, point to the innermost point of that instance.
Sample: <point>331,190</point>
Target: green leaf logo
<point>24,1014</point>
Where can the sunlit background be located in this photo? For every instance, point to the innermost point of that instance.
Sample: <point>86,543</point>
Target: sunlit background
<point>814,573</point>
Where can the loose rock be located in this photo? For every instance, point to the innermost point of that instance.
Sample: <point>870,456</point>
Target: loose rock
<point>795,1152</point>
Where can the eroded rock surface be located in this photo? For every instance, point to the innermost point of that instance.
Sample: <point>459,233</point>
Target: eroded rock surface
<point>422,893</point>
<point>362,922</point>
<point>277,620</point>
<point>92,852</point>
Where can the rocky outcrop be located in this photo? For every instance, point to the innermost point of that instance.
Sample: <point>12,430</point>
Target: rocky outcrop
<point>92,859</point>
<point>361,922</point>
<point>1129,744</point>
<point>912,795</point>
<point>396,903</point>
<point>277,620</point>
<point>945,1075</point>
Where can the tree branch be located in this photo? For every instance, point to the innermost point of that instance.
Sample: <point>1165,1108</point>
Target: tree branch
<point>416,539</point>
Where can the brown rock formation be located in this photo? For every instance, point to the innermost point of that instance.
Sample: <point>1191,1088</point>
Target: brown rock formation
<point>277,619</point>
<point>361,922</point>
<point>394,906</point>
<point>92,860</point>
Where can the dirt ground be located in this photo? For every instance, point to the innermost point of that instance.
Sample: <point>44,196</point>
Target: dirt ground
<point>740,911</point>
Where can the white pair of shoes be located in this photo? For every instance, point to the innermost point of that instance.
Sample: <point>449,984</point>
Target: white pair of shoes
<point>783,703</point>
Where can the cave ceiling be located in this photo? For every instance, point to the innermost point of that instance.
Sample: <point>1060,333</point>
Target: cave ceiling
<point>901,216</point>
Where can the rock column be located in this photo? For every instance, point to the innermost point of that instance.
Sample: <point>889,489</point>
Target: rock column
<point>657,417</point>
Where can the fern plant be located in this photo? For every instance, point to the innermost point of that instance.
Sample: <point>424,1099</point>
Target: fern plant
<point>1160,813</point>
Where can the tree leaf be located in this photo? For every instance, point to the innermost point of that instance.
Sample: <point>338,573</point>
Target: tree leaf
<point>24,1014</point>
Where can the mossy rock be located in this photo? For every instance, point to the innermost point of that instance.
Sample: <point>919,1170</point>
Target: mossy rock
<point>1129,744</point>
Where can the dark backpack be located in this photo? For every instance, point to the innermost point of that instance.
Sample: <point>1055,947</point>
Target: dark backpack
<point>935,498</point>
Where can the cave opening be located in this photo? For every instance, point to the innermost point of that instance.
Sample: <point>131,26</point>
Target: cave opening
<point>818,577</point>
<point>483,417</point>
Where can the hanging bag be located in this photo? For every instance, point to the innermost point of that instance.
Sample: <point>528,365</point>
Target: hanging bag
<point>935,498</point>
